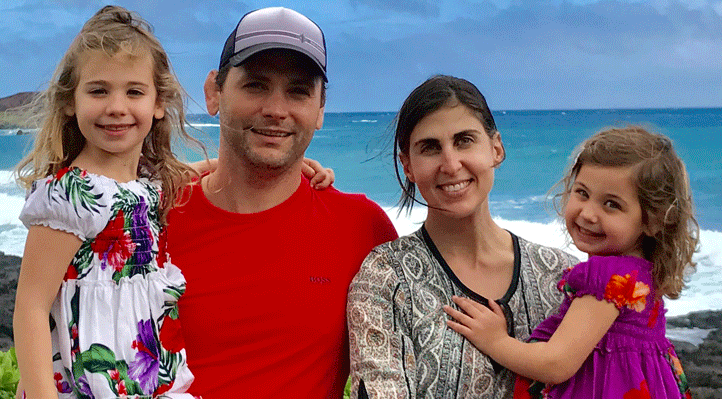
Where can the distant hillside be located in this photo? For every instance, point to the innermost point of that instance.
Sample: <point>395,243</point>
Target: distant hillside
<point>16,100</point>
<point>9,119</point>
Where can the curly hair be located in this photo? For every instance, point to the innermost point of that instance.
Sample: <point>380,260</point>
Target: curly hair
<point>664,195</point>
<point>58,142</point>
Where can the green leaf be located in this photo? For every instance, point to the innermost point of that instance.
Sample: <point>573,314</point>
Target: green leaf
<point>9,374</point>
<point>98,358</point>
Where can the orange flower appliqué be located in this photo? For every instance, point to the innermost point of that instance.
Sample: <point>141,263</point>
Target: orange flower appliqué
<point>627,291</point>
<point>641,393</point>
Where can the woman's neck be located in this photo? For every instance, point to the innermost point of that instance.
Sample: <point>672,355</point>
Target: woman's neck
<point>473,239</point>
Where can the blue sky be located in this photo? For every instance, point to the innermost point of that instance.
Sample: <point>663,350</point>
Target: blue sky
<point>522,54</point>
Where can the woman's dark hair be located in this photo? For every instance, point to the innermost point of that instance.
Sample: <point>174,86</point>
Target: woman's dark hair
<point>435,93</point>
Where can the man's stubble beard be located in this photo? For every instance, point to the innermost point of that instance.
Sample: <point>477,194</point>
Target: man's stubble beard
<point>238,142</point>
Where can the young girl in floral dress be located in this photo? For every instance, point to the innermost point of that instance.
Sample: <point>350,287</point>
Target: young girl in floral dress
<point>95,259</point>
<point>627,203</point>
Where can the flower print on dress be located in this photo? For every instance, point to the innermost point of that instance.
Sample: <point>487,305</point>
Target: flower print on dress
<point>62,386</point>
<point>141,234</point>
<point>144,368</point>
<point>171,337</point>
<point>678,372</point>
<point>114,245</point>
<point>76,188</point>
<point>627,291</point>
<point>641,393</point>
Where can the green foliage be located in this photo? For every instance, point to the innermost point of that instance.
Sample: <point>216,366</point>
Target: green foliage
<point>9,374</point>
<point>347,389</point>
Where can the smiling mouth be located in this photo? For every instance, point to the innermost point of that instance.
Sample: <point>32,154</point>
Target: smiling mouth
<point>588,233</point>
<point>115,128</point>
<point>270,132</point>
<point>450,188</point>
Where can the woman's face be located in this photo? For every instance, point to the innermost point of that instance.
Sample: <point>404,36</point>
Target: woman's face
<point>451,160</point>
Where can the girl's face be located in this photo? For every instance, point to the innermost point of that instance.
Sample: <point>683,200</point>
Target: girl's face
<point>451,159</point>
<point>603,215</point>
<point>115,103</point>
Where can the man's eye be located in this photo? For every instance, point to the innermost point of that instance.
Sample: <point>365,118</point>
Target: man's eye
<point>300,91</point>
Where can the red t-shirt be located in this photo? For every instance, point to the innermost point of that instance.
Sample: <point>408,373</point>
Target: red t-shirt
<point>263,314</point>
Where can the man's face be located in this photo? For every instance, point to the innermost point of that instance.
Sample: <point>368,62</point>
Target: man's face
<point>269,108</point>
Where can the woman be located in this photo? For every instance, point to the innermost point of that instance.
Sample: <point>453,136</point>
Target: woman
<point>448,144</point>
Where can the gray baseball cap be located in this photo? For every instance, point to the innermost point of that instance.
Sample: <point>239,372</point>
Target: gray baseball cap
<point>272,28</point>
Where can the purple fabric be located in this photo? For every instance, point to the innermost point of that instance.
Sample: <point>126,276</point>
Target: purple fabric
<point>634,355</point>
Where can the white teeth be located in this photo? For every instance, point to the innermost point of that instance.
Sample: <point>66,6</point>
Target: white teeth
<point>271,133</point>
<point>115,127</point>
<point>455,187</point>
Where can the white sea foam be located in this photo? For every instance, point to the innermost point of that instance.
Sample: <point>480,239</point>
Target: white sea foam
<point>198,125</point>
<point>694,336</point>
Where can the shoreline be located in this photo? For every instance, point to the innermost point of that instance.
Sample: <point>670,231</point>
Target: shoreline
<point>697,336</point>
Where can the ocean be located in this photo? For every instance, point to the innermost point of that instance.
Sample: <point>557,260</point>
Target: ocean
<point>538,144</point>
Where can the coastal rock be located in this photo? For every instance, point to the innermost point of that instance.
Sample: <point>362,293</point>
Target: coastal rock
<point>703,363</point>
<point>9,270</point>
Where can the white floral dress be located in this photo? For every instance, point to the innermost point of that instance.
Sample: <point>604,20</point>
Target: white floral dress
<point>114,324</point>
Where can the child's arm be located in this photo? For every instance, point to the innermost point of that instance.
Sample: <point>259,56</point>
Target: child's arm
<point>48,253</point>
<point>320,177</point>
<point>555,361</point>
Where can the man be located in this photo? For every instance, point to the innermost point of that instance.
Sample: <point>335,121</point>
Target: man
<point>267,259</point>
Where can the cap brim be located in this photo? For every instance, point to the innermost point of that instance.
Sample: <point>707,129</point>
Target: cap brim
<point>240,57</point>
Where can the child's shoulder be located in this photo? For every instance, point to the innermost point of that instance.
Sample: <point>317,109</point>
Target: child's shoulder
<point>606,276</point>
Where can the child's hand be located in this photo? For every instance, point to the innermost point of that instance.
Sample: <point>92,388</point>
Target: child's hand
<point>206,165</point>
<point>320,177</point>
<point>480,325</point>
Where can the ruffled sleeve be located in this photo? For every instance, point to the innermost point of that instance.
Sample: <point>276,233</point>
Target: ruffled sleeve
<point>624,281</point>
<point>72,201</point>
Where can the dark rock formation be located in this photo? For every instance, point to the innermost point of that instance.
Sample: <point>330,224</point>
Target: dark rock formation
<point>702,364</point>
<point>9,269</point>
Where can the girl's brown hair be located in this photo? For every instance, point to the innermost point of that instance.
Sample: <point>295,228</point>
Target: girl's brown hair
<point>663,192</point>
<point>58,141</point>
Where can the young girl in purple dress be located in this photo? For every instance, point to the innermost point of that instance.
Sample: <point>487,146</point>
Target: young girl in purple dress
<point>626,202</point>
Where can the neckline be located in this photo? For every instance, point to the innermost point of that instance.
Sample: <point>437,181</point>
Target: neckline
<point>287,205</point>
<point>504,300</point>
<point>78,171</point>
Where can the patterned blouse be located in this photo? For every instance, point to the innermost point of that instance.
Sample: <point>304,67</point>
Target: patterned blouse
<point>400,344</point>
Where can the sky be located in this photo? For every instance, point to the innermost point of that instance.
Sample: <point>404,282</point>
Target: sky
<point>522,54</point>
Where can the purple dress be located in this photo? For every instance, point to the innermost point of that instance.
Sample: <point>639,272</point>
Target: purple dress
<point>633,359</point>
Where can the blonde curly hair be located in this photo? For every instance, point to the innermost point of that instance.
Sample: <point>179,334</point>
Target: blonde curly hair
<point>58,141</point>
<point>664,195</point>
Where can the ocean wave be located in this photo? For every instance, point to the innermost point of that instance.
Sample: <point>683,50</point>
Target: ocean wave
<point>13,132</point>
<point>197,125</point>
